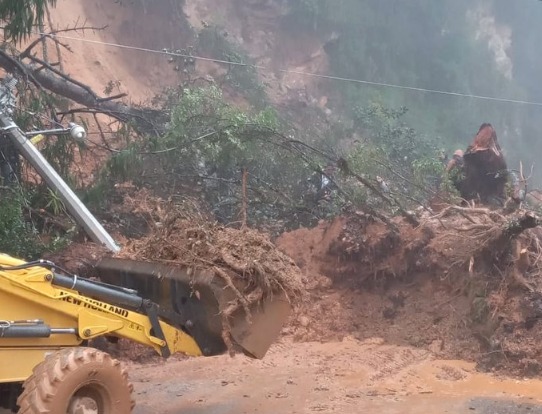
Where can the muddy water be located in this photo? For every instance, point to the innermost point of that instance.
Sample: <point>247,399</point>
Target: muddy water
<point>346,377</point>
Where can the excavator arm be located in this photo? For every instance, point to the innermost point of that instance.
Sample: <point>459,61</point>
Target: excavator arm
<point>43,310</point>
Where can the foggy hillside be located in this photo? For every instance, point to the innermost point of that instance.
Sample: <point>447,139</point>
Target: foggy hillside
<point>271,179</point>
<point>483,48</point>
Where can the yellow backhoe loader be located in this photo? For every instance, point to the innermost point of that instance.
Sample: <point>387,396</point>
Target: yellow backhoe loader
<point>48,316</point>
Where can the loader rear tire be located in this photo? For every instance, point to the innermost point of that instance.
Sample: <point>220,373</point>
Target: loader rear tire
<point>77,381</point>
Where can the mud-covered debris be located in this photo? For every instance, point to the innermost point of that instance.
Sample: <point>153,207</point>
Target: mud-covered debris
<point>465,284</point>
<point>182,235</point>
<point>249,263</point>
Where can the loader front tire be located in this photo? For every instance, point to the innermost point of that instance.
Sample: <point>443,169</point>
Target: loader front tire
<point>77,381</point>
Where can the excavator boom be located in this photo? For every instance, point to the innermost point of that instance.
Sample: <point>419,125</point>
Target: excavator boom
<point>44,309</point>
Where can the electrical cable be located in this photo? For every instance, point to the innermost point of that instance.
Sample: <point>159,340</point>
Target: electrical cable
<point>301,73</point>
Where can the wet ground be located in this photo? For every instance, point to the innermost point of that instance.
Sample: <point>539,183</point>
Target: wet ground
<point>346,377</point>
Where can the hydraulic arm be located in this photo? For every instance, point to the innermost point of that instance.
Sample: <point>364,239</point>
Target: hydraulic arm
<point>44,310</point>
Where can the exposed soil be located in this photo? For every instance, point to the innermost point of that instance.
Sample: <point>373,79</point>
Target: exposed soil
<point>444,287</point>
<point>419,289</point>
<point>347,377</point>
<point>138,73</point>
<point>384,309</point>
<point>258,26</point>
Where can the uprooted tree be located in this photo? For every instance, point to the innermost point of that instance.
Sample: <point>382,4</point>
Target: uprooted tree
<point>46,77</point>
<point>42,88</point>
<point>193,139</point>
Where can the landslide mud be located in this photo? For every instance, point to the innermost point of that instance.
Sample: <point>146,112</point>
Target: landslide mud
<point>335,377</point>
<point>390,324</point>
<point>451,286</point>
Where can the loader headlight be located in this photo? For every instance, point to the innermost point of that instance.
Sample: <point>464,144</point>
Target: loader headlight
<point>77,132</point>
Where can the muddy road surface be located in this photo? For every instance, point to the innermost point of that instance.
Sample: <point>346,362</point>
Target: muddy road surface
<point>342,377</point>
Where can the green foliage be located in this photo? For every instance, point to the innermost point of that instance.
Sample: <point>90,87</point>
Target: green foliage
<point>17,236</point>
<point>429,174</point>
<point>54,203</point>
<point>205,109</point>
<point>215,141</point>
<point>391,138</point>
<point>60,151</point>
<point>125,164</point>
<point>406,160</point>
<point>25,209</point>
<point>427,167</point>
<point>243,78</point>
<point>208,145</point>
<point>210,142</point>
<point>24,231</point>
<point>21,16</point>
<point>389,133</point>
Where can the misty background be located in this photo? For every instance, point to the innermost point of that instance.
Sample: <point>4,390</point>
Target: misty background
<point>480,47</point>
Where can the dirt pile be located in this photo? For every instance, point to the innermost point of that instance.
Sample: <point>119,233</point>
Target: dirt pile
<point>463,284</point>
<point>181,234</point>
<point>242,261</point>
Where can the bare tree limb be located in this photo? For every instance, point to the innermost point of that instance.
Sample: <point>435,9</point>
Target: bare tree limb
<point>113,97</point>
<point>12,65</point>
<point>51,35</point>
<point>410,218</point>
<point>47,65</point>
<point>51,79</point>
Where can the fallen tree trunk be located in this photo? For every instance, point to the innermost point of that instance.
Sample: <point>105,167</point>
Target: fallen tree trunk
<point>46,77</point>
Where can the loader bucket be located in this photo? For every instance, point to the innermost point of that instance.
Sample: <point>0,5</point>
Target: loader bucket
<point>194,302</point>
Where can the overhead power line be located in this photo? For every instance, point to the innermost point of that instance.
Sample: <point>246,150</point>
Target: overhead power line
<point>301,73</point>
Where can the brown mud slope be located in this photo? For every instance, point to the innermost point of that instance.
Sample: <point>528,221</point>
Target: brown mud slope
<point>465,284</point>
